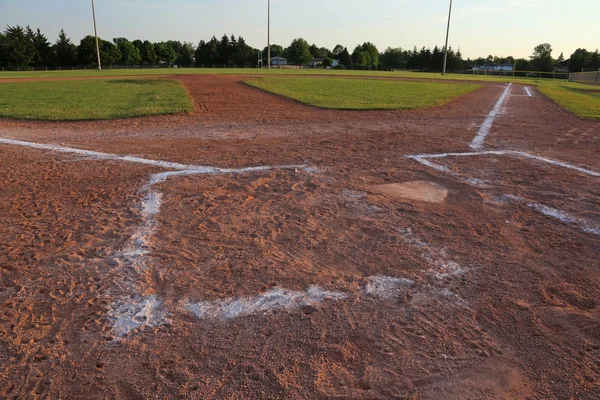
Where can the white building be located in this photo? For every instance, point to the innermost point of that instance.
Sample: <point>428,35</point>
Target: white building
<point>495,67</point>
<point>279,61</point>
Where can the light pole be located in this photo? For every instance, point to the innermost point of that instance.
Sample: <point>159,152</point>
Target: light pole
<point>447,36</point>
<point>96,33</point>
<point>269,35</point>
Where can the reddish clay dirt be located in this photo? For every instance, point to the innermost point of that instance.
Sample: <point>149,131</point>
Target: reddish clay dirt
<point>502,301</point>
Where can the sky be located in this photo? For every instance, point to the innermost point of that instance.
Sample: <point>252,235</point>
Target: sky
<point>479,27</point>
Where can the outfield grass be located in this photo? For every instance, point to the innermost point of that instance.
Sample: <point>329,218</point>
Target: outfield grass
<point>363,94</point>
<point>255,71</point>
<point>92,99</point>
<point>583,100</point>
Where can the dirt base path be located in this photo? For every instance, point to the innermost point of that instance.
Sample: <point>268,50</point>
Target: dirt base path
<point>301,282</point>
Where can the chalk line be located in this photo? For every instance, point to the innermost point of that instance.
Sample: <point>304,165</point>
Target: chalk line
<point>274,299</point>
<point>528,91</point>
<point>485,128</point>
<point>136,311</point>
<point>565,218</point>
<point>186,169</point>
<point>422,158</point>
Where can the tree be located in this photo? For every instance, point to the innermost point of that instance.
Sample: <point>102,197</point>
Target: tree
<point>327,62</point>
<point>393,59</point>
<point>165,53</point>
<point>337,50</point>
<point>542,57</point>
<point>580,60</point>
<point>207,53</point>
<point>366,55</point>
<point>109,53</point>
<point>86,51</point>
<point>186,55</point>
<point>19,47</point>
<point>595,60</point>
<point>129,53</point>
<point>3,56</point>
<point>45,54</point>
<point>298,53</point>
<point>66,51</point>
<point>224,50</point>
<point>345,59</point>
<point>317,52</point>
<point>148,53</point>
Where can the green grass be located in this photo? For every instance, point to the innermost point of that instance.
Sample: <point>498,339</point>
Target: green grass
<point>254,71</point>
<point>582,100</point>
<point>363,94</point>
<point>92,99</point>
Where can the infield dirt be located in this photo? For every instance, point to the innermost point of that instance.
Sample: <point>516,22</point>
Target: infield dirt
<point>478,296</point>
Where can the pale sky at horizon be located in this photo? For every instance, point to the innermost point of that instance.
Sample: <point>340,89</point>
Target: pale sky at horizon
<point>479,27</point>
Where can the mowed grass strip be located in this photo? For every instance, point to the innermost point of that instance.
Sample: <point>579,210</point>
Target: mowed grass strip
<point>582,100</point>
<point>363,94</point>
<point>265,72</point>
<point>92,99</point>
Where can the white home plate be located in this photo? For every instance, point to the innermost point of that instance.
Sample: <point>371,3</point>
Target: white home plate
<point>425,191</point>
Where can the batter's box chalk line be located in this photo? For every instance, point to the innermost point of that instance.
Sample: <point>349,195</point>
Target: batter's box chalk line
<point>559,215</point>
<point>133,310</point>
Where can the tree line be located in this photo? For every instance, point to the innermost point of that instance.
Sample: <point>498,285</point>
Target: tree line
<point>23,47</point>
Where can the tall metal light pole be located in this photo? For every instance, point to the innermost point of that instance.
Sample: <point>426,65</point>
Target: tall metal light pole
<point>96,33</point>
<point>447,36</point>
<point>269,36</point>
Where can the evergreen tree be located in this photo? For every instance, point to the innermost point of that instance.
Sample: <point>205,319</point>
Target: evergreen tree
<point>45,55</point>
<point>65,50</point>
<point>19,47</point>
<point>3,56</point>
<point>345,59</point>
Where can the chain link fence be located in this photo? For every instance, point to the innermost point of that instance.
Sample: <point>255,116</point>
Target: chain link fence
<point>585,77</point>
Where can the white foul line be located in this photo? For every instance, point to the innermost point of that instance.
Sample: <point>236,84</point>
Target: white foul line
<point>485,128</point>
<point>422,158</point>
<point>528,91</point>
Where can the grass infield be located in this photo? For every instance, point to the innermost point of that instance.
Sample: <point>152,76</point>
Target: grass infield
<point>363,94</point>
<point>583,100</point>
<point>92,99</point>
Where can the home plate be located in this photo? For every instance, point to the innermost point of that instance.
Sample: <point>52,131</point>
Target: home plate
<point>424,191</point>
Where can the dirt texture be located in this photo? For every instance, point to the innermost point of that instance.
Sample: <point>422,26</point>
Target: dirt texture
<point>301,282</point>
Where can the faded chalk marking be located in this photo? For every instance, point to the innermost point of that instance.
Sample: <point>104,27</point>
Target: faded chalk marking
<point>274,299</point>
<point>438,258</point>
<point>128,315</point>
<point>387,287</point>
<point>422,158</point>
<point>135,311</point>
<point>565,218</point>
<point>485,128</point>
<point>185,168</point>
<point>429,164</point>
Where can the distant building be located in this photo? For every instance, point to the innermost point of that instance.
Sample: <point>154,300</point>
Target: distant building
<point>495,67</point>
<point>279,61</point>
<point>317,62</point>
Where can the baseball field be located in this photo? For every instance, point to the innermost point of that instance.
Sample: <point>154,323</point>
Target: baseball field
<point>294,235</point>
